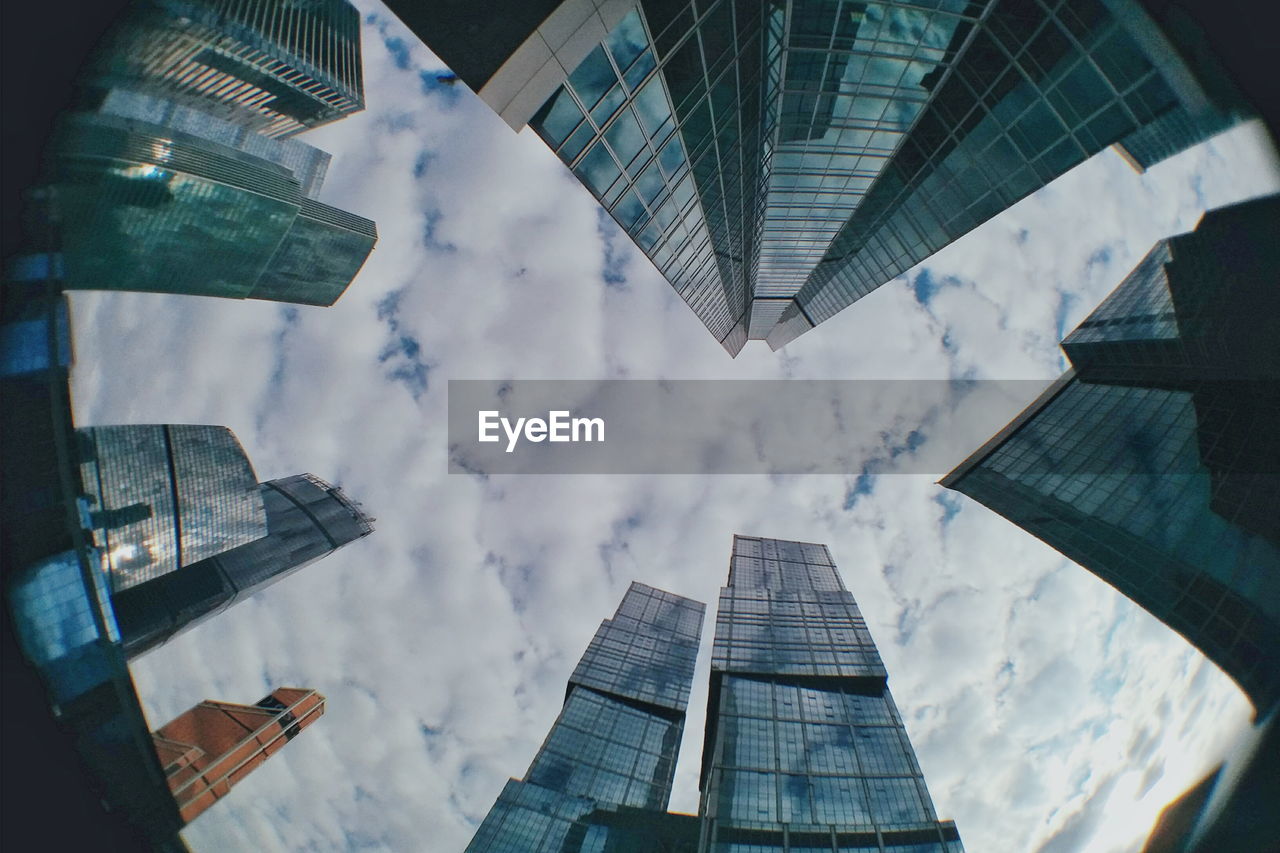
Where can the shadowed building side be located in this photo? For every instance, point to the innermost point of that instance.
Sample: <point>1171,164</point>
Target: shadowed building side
<point>1155,461</point>
<point>605,770</point>
<point>148,207</point>
<point>277,68</point>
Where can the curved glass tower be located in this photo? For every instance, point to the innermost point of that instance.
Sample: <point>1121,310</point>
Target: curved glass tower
<point>150,208</point>
<point>164,496</point>
<point>307,519</point>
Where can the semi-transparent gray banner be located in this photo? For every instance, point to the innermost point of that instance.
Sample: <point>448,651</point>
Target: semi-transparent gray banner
<point>1226,429</point>
<point>726,426</point>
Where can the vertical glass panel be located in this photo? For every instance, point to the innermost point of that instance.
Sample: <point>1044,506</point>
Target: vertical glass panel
<point>577,142</point>
<point>651,104</point>
<point>665,215</point>
<point>629,210</point>
<point>608,105</point>
<point>637,72</point>
<point>839,800</point>
<point>672,156</point>
<point>649,237</point>
<point>557,118</point>
<point>627,40</point>
<point>897,801</point>
<point>649,184</point>
<point>597,169</point>
<point>794,799</point>
<point>593,77</point>
<point>625,137</point>
<point>614,191</point>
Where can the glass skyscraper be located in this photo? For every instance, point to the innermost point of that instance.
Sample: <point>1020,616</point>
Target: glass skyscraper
<point>779,160</point>
<point>307,519</point>
<point>308,164</point>
<point>606,768</point>
<point>804,750</point>
<point>164,496</point>
<point>277,68</point>
<point>147,207</point>
<point>1155,461</point>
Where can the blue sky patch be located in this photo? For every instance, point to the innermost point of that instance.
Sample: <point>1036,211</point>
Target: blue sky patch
<point>615,259</point>
<point>1066,301</point>
<point>862,486</point>
<point>399,51</point>
<point>432,220</point>
<point>442,82</point>
<point>423,163</point>
<point>402,355</point>
<point>950,504</point>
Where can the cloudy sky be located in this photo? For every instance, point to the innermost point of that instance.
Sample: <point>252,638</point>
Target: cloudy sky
<point>1049,713</point>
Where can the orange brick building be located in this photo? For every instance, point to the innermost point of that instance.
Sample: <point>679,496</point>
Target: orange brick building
<point>210,748</point>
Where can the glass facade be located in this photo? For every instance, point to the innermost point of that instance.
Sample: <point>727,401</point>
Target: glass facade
<point>308,164</point>
<point>71,713</point>
<point>805,748</point>
<point>1155,463</point>
<point>276,68</point>
<point>162,497</point>
<point>319,256</point>
<point>149,208</point>
<point>1200,311</point>
<point>1033,90</point>
<point>778,161</point>
<point>144,210</point>
<point>613,748</point>
<point>307,519</point>
<point>614,123</point>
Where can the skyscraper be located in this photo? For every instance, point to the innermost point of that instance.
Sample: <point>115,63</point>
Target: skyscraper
<point>804,749</point>
<point>211,747</point>
<point>277,68</point>
<point>164,496</point>
<point>307,519</point>
<point>778,161</point>
<point>609,759</point>
<point>308,164</point>
<point>146,207</point>
<point>1155,461</point>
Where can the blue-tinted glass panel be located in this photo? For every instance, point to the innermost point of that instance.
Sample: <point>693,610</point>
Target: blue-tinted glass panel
<point>639,70</point>
<point>625,137</point>
<point>608,105</point>
<point>593,77</point>
<point>597,169</point>
<point>627,40</point>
